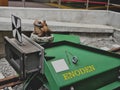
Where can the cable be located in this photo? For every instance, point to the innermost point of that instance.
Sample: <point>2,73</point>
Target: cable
<point>27,82</point>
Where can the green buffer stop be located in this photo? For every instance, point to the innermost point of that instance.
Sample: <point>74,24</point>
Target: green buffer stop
<point>93,68</point>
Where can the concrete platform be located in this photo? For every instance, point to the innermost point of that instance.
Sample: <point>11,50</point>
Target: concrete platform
<point>95,19</point>
<point>55,26</point>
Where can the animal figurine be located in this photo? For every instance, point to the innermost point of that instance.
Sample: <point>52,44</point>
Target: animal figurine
<point>41,28</point>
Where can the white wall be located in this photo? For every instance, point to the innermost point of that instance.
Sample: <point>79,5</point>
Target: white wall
<point>65,15</point>
<point>115,19</point>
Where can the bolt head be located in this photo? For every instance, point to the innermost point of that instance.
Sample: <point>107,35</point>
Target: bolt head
<point>118,77</point>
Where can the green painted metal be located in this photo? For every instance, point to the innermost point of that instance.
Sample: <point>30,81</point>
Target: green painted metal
<point>95,68</point>
<point>111,86</point>
<point>63,37</point>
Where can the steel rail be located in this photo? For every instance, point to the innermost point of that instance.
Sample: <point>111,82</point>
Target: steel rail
<point>9,81</point>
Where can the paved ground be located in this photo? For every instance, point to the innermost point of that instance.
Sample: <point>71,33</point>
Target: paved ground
<point>29,4</point>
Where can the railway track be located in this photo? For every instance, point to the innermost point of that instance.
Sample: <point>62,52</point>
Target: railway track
<point>9,82</point>
<point>116,50</point>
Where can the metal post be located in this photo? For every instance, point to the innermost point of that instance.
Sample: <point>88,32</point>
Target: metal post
<point>108,5</point>
<point>23,1</point>
<point>87,4</point>
<point>59,3</point>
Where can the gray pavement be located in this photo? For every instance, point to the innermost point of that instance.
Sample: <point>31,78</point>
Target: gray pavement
<point>29,4</point>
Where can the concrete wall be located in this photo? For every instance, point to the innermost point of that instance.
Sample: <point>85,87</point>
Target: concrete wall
<point>115,19</point>
<point>101,17</point>
<point>65,15</point>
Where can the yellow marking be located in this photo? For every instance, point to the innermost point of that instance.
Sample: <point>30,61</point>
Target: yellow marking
<point>101,7</point>
<point>62,6</point>
<point>59,6</point>
<point>97,7</point>
<point>89,8</point>
<point>78,72</point>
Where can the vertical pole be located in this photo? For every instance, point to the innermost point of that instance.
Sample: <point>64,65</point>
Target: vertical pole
<point>108,4</point>
<point>59,3</point>
<point>23,1</point>
<point>87,4</point>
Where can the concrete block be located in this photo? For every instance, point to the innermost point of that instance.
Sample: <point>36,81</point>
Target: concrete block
<point>63,15</point>
<point>101,17</point>
<point>115,19</point>
<point>55,26</point>
<point>78,27</point>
